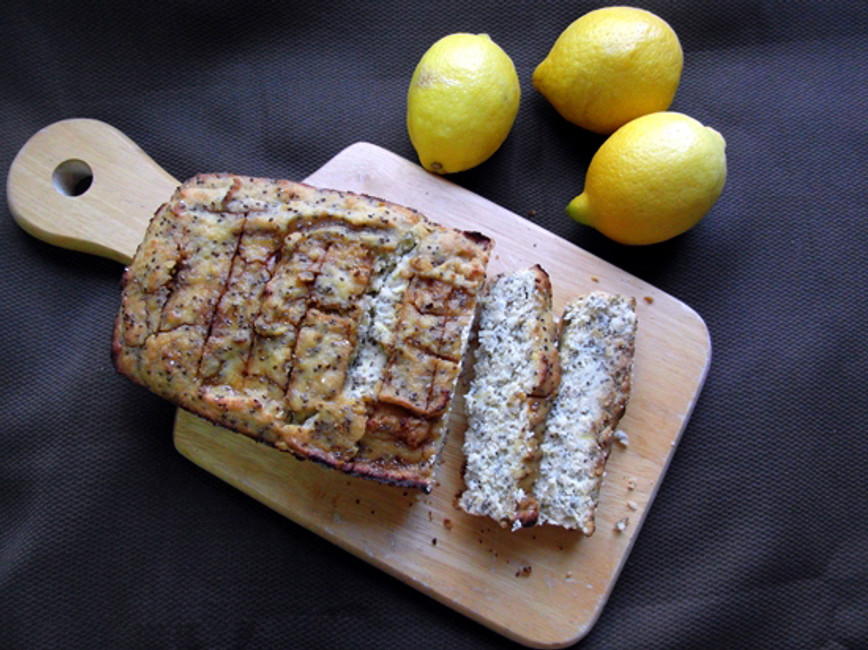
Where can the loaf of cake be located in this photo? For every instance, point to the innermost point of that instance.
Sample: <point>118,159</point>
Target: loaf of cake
<point>515,374</point>
<point>331,325</point>
<point>597,342</point>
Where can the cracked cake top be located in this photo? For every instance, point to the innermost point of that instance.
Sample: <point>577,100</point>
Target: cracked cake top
<point>328,324</point>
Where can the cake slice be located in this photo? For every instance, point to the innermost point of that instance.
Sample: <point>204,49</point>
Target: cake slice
<point>327,324</point>
<point>596,352</point>
<point>515,373</point>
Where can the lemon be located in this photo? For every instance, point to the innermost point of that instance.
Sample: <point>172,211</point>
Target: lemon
<point>653,179</point>
<point>611,66</point>
<point>462,102</point>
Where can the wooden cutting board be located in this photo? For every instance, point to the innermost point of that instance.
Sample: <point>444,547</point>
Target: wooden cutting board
<point>542,587</point>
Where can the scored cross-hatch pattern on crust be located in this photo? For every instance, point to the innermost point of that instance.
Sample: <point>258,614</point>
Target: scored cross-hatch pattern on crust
<point>328,324</point>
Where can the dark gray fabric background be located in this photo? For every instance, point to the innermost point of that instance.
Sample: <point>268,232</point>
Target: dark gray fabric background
<point>758,537</point>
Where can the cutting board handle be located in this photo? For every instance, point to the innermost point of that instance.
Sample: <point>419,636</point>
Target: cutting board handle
<point>84,185</point>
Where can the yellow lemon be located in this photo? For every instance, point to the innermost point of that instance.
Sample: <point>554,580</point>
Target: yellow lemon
<point>611,66</point>
<point>652,179</point>
<point>462,102</point>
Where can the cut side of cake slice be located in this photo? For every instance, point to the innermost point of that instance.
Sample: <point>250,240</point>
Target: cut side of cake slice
<point>597,343</point>
<point>331,325</point>
<point>516,371</point>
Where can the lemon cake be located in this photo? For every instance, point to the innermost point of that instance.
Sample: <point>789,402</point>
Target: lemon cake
<point>331,325</point>
<point>515,373</point>
<point>597,343</point>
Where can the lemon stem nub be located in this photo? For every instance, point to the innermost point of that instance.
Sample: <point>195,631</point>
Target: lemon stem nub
<point>579,210</point>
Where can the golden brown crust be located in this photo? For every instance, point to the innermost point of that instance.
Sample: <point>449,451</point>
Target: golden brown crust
<point>544,357</point>
<point>545,361</point>
<point>327,324</point>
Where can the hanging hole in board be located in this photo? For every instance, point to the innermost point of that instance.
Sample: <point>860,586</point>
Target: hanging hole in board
<point>72,177</point>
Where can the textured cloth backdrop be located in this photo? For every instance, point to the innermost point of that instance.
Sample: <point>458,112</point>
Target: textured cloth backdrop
<point>758,537</point>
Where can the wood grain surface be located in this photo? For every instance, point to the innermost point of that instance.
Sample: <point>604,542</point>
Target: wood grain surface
<point>542,587</point>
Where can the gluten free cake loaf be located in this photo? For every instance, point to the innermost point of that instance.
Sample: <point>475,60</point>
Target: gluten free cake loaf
<point>331,325</point>
<point>516,372</point>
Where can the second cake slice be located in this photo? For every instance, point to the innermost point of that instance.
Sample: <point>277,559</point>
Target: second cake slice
<point>515,373</point>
